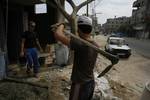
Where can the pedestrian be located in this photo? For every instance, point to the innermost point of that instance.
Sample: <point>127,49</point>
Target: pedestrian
<point>29,42</point>
<point>82,77</point>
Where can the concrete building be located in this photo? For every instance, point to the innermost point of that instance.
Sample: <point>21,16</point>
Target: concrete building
<point>113,24</point>
<point>141,18</point>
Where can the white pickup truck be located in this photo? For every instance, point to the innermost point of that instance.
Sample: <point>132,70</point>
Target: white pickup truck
<point>118,46</point>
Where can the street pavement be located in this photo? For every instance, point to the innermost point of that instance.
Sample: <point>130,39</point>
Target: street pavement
<point>142,47</point>
<point>133,73</point>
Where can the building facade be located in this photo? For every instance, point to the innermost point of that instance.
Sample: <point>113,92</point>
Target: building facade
<point>113,24</point>
<point>141,18</point>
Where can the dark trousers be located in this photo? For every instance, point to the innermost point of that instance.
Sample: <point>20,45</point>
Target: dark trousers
<point>82,91</point>
<point>32,59</point>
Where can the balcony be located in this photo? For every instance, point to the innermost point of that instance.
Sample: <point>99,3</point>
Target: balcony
<point>134,12</point>
<point>136,4</point>
<point>140,11</point>
<point>139,3</point>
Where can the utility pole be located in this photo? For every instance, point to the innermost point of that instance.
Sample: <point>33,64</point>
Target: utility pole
<point>94,18</point>
<point>87,10</point>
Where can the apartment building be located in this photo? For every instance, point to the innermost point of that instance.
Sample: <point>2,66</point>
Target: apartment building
<point>113,24</point>
<point>141,18</point>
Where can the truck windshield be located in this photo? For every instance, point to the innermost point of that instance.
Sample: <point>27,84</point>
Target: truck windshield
<point>117,41</point>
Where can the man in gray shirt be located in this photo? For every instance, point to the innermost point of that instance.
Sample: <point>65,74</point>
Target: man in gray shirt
<point>84,59</point>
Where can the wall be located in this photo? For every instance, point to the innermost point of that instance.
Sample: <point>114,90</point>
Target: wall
<point>2,28</point>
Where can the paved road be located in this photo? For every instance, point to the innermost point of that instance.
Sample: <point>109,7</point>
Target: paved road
<point>140,46</point>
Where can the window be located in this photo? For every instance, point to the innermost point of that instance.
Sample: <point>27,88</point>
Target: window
<point>40,8</point>
<point>117,41</point>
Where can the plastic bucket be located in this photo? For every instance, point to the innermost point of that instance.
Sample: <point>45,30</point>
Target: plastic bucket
<point>2,66</point>
<point>146,92</point>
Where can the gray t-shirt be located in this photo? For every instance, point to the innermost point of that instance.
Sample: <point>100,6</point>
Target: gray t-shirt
<point>84,61</point>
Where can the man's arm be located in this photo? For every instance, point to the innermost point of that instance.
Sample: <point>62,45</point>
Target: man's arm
<point>60,36</point>
<point>39,46</point>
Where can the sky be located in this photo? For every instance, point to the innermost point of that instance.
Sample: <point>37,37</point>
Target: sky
<point>105,8</point>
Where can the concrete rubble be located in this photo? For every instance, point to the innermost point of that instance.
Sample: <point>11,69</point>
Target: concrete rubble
<point>103,90</point>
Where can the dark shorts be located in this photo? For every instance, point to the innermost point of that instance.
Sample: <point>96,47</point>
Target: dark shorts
<point>32,59</point>
<point>82,91</point>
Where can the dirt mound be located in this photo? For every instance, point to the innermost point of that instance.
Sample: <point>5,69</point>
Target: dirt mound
<point>17,91</point>
<point>123,91</point>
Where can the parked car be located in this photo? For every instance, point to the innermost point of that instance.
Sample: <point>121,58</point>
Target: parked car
<point>119,34</point>
<point>118,46</point>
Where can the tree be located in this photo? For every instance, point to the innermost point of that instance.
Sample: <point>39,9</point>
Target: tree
<point>72,18</point>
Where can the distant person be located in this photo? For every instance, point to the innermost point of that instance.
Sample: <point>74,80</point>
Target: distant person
<point>82,77</point>
<point>29,42</point>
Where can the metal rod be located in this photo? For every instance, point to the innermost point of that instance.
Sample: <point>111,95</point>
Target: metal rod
<point>114,59</point>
